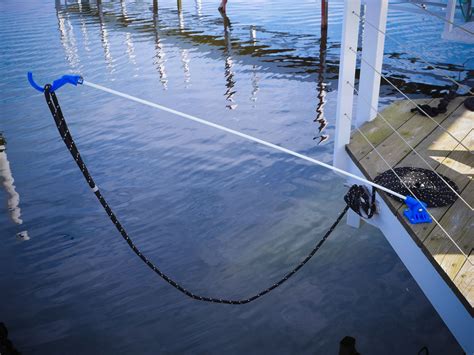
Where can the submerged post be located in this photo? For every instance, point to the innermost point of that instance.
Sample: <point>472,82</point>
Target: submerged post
<point>372,57</point>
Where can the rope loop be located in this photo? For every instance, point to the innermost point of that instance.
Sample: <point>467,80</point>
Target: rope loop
<point>442,107</point>
<point>63,129</point>
<point>361,201</point>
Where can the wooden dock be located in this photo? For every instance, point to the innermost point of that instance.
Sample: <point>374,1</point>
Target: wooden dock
<point>447,157</point>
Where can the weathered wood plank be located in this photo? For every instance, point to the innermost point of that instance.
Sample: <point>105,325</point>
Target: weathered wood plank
<point>453,260</point>
<point>461,163</point>
<point>447,157</point>
<point>438,145</point>
<point>458,219</point>
<point>394,149</point>
<point>464,280</point>
<point>377,130</point>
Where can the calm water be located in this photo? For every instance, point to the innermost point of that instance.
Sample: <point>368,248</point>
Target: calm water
<point>223,216</point>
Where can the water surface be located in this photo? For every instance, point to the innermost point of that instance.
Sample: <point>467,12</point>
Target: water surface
<point>221,215</point>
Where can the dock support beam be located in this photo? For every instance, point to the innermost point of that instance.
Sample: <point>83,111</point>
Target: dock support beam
<point>372,57</point>
<point>443,299</point>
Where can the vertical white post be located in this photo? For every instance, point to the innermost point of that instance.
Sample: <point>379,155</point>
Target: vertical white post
<point>450,9</point>
<point>372,57</point>
<point>345,95</point>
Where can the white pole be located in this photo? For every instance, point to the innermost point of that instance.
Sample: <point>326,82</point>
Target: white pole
<point>345,95</point>
<point>372,53</point>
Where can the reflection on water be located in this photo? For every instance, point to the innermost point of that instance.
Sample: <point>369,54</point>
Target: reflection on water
<point>104,36</point>
<point>278,52</point>
<point>229,63</point>
<point>128,36</point>
<point>13,198</point>
<point>67,37</point>
<point>83,26</point>
<point>159,59</point>
<point>255,69</point>
<point>184,53</point>
<point>321,88</point>
<point>198,5</point>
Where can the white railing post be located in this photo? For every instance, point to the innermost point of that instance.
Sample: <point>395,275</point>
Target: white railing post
<point>372,57</point>
<point>345,95</point>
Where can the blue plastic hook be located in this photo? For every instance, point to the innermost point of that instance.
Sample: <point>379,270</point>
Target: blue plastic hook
<point>416,211</point>
<point>65,79</point>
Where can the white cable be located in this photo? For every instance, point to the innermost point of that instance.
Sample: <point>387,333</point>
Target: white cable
<point>444,19</point>
<point>413,102</point>
<point>268,144</point>
<point>409,145</point>
<point>414,196</point>
<point>413,53</point>
<point>242,135</point>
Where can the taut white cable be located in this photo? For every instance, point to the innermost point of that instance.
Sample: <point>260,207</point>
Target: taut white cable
<point>267,144</point>
<point>242,135</point>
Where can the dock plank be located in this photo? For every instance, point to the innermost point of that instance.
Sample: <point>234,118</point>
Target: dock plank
<point>464,280</point>
<point>438,145</point>
<point>458,219</point>
<point>447,157</point>
<point>377,130</point>
<point>394,149</point>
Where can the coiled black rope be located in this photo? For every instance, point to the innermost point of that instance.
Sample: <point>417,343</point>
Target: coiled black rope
<point>360,201</point>
<point>63,129</point>
<point>442,107</point>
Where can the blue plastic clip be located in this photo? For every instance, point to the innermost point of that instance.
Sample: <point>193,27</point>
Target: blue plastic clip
<point>65,79</point>
<point>416,211</point>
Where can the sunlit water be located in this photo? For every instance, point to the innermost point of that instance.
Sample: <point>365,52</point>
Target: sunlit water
<point>223,216</point>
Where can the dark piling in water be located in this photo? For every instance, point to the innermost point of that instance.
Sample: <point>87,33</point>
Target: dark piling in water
<point>6,346</point>
<point>347,346</point>
<point>324,13</point>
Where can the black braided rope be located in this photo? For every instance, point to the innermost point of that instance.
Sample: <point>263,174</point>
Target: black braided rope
<point>442,107</point>
<point>61,124</point>
<point>360,201</point>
